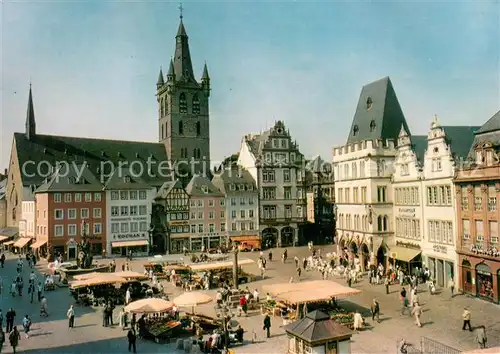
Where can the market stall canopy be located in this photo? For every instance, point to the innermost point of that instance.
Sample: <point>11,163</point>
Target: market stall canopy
<point>152,305</point>
<point>128,274</point>
<point>309,291</point>
<point>23,241</point>
<point>87,276</point>
<point>38,244</point>
<point>193,298</point>
<point>98,280</point>
<point>3,238</point>
<point>403,254</point>
<point>9,243</point>
<point>129,243</point>
<point>219,265</point>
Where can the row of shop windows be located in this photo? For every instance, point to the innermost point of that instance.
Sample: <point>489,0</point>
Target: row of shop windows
<point>482,284</point>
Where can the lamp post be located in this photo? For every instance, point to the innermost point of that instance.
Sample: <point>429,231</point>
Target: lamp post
<point>224,313</point>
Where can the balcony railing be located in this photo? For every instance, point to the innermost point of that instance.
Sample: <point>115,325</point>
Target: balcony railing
<point>486,248</point>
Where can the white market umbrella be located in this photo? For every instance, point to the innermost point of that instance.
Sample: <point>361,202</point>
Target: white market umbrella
<point>192,299</point>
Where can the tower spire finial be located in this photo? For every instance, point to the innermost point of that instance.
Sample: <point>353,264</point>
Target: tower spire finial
<point>181,11</point>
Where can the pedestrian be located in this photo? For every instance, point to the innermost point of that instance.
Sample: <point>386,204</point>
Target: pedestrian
<point>31,291</point>
<point>451,285</point>
<point>2,260</point>
<point>13,289</point>
<point>14,338</point>
<point>26,325</point>
<point>387,283</point>
<point>131,337</point>
<point>39,292</point>
<point>123,318</point>
<point>417,312</point>
<point>466,317</point>
<point>71,317</point>
<point>296,259</point>
<point>481,336</point>
<point>2,339</point>
<point>9,318</point>
<point>375,308</point>
<point>267,326</point>
<point>349,280</point>
<point>299,271</point>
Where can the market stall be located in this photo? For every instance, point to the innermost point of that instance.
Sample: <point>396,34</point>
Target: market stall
<point>210,275</point>
<point>97,290</point>
<point>160,325</point>
<point>293,298</point>
<point>192,299</point>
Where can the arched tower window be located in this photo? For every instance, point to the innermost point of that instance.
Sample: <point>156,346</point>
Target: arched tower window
<point>198,128</point>
<point>181,128</point>
<point>385,222</point>
<point>372,126</point>
<point>194,153</point>
<point>162,112</point>
<point>183,108</point>
<point>165,107</point>
<point>379,223</point>
<point>162,131</point>
<point>196,105</point>
<point>355,130</point>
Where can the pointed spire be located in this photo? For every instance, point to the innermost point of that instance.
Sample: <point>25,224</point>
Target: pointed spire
<point>171,71</point>
<point>182,59</point>
<point>205,75</point>
<point>30,118</point>
<point>160,81</point>
<point>403,132</point>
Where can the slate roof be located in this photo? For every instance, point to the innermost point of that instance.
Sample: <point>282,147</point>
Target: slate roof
<point>491,125</point>
<point>317,326</point>
<point>167,187</point>
<point>100,154</point>
<point>29,193</point>
<point>318,165</point>
<point>460,139</point>
<point>257,142</point>
<point>378,103</point>
<point>196,185</point>
<point>123,179</point>
<point>71,178</point>
<point>235,175</point>
<point>419,146</point>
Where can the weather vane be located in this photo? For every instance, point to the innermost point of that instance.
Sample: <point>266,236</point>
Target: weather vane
<point>181,9</point>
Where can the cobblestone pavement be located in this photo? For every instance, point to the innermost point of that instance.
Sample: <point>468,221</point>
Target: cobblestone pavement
<point>441,319</point>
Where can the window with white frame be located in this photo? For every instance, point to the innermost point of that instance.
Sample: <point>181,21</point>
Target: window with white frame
<point>59,214</point>
<point>123,195</point>
<point>124,227</point>
<point>71,214</point>
<point>59,230</point>
<point>115,211</point>
<point>143,210</point>
<point>67,197</point>
<point>133,195</point>
<point>143,226</point>
<point>115,195</point>
<point>133,210</point>
<point>466,229</point>
<point>78,197</point>
<point>115,227</point>
<point>72,230</point>
<point>97,197</point>
<point>97,213</point>
<point>57,197</point>
<point>124,210</point>
<point>88,197</point>
<point>97,228</point>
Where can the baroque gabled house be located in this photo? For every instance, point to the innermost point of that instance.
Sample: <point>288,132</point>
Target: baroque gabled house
<point>477,187</point>
<point>362,172</point>
<point>183,110</point>
<point>276,164</point>
<point>172,216</point>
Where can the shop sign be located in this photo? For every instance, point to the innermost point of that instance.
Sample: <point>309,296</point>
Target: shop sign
<point>179,223</point>
<point>407,212</point>
<point>440,249</point>
<point>129,236</point>
<point>134,218</point>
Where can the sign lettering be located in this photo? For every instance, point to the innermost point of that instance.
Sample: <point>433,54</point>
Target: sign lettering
<point>179,223</point>
<point>408,212</point>
<point>440,249</point>
<point>134,235</point>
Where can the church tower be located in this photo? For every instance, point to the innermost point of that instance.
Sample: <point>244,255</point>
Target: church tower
<point>183,109</point>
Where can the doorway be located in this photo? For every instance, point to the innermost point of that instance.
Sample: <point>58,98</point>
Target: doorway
<point>71,252</point>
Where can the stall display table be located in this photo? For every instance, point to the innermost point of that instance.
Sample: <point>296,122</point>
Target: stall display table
<point>163,332</point>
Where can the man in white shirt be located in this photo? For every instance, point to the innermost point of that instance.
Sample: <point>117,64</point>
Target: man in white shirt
<point>256,295</point>
<point>71,317</point>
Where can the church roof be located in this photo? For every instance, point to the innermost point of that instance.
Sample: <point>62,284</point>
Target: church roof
<point>183,66</point>
<point>236,175</point>
<point>200,186</point>
<point>43,151</point>
<point>71,178</point>
<point>317,326</point>
<point>460,139</point>
<point>378,113</point>
<point>125,179</point>
<point>493,124</point>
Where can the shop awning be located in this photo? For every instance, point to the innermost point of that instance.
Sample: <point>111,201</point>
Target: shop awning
<point>22,242</point>
<point>219,265</point>
<point>3,238</point>
<point>245,238</point>
<point>38,244</point>
<point>403,254</point>
<point>129,243</point>
<point>9,243</point>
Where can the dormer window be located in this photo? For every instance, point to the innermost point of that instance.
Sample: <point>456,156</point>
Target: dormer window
<point>355,130</point>
<point>241,187</point>
<point>204,189</point>
<point>127,179</point>
<point>233,187</point>
<point>372,126</point>
<point>72,180</point>
<point>369,103</point>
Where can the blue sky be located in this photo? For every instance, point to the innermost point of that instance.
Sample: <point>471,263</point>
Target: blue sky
<point>94,65</point>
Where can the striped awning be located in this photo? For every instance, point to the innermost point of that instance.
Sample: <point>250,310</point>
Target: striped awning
<point>129,243</point>
<point>23,241</point>
<point>38,244</point>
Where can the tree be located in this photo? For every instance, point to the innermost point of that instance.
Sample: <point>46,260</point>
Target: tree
<point>85,258</point>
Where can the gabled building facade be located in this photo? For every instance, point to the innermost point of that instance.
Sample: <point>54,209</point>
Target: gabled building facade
<point>207,207</point>
<point>275,162</point>
<point>129,202</point>
<point>242,201</point>
<point>3,203</point>
<point>363,171</point>
<point>27,224</point>
<point>477,188</point>
<point>70,206</point>
<point>173,202</point>
<point>183,110</point>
